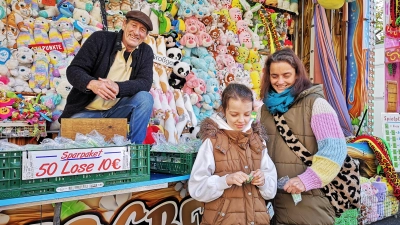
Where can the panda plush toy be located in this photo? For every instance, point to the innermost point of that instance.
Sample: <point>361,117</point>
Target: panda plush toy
<point>178,76</point>
<point>174,53</point>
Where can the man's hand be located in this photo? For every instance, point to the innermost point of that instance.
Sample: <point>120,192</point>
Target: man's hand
<point>105,88</point>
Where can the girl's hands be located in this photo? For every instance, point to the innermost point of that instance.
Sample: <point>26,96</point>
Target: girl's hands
<point>255,178</point>
<point>258,178</point>
<point>237,178</point>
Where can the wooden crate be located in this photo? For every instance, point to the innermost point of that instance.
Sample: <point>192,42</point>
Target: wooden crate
<point>106,126</point>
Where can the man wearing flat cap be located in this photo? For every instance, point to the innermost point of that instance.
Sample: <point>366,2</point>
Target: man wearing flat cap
<point>112,74</point>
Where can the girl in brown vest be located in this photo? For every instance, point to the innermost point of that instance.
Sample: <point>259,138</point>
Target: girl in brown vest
<point>233,174</point>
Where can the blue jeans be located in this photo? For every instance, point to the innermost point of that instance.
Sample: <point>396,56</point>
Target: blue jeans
<point>137,109</point>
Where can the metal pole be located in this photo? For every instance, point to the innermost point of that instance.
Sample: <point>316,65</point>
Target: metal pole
<point>302,30</point>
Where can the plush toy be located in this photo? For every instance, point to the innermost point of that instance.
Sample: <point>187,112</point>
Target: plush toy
<point>3,32</point>
<point>85,18</point>
<point>25,36</point>
<point>170,132</point>
<point>248,15</point>
<point>189,108</point>
<point>149,140</point>
<point>58,65</point>
<point>185,10</point>
<point>162,77</point>
<point>47,10</point>
<point>86,5</point>
<point>243,54</point>
<point>24,56</point>
<point>256,81</point>
<point>54,34</point>
<point>174,53</point>
<point>170,39</point>
<point>39,82</point>
<point>212,100</point>
<point>205,39</point>
<point>180,71</point>
<point>41,27</point>
<point>156,93</point>
<point>294,6</point>
<point>21,78</point>
<point>180,104</point>
<point>189,40</point>
<point>271,2</point>
<point>253,56</point>
<point>87,31</point>
<point>3,9</point>
<point>161,48</point>
<point>65,9</point>
<point>63,87</point>
<point>12,33</point>
<point>331,4</point>
<point>96,11</point>
<point>154,19</point>
<point>19,11</point>
<point>66,28</point>
<point>163,20</point>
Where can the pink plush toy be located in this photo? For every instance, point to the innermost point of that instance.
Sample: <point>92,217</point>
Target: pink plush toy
<point>235,14</point>
<point>205,39</point>
<point>193,25</point>
<point>242,26</point>
<point>230,63</point>
<point>189,40</point>
<point>245,39</point>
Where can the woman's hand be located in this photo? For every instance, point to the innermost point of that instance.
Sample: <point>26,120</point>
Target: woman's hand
<point>294,186</point>
<point>258,178</point>
<point>237,178</point>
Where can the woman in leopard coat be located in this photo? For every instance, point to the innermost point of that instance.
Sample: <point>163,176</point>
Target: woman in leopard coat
<point>287,91</point>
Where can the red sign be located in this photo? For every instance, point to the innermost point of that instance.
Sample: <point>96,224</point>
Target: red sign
<point>48,47</point>
<point>49,2</point>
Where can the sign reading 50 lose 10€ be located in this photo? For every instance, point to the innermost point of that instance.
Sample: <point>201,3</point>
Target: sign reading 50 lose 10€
<point>58,163</point>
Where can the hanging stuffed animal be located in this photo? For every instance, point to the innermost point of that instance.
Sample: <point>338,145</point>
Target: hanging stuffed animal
<point>331,4</point>
<point>39,82</point>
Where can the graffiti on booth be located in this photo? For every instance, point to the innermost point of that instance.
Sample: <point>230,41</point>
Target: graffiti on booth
<point>167,206</point>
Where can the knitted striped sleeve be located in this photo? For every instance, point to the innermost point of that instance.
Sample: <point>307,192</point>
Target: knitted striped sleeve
<point>332,148</point>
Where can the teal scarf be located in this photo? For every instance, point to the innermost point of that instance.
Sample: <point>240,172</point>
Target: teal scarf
<point>278,102</point>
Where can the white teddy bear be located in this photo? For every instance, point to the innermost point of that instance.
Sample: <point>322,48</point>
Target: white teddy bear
<point>20,79</point>
<point>63,87</point>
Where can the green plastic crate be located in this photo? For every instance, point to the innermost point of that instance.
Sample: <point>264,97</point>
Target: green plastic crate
<point>172,163</point>
<point>349,217</point>
<point>12,185</point>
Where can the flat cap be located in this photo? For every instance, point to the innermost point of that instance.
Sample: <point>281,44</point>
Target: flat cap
<point>140,17</point>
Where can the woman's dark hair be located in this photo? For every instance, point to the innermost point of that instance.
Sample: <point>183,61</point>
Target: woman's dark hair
<point>235,91</point>
<point>286,55</point>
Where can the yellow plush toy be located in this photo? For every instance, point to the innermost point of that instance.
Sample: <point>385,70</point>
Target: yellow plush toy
<point>256,81</point>
<point>331,4</point>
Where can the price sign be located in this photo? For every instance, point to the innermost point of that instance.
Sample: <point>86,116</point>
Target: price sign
<point>163,60</point>
<point>391,133</point>
<point>57,163</point>
<point>49,47</point>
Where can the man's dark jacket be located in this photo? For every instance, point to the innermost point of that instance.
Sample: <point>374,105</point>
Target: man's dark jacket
<point>94,60</point>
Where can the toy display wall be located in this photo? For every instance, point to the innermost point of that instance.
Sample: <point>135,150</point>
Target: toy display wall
<point>199,46</point>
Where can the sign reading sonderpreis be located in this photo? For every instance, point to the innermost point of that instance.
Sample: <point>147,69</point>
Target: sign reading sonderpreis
<point>57,163</point>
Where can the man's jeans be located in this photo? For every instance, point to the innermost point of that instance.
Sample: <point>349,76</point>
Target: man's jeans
<point>137,109</point>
